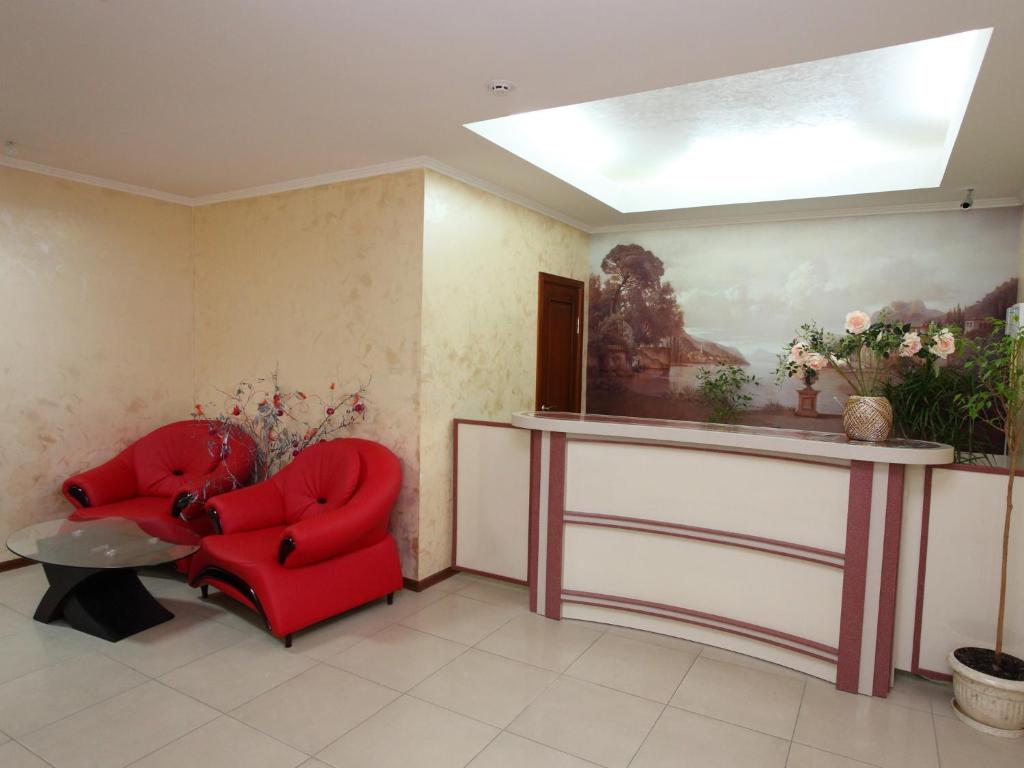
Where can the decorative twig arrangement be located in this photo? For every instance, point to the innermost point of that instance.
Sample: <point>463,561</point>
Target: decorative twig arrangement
<point>282,423</point>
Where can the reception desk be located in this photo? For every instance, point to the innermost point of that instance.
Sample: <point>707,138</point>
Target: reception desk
<point>779,544</point>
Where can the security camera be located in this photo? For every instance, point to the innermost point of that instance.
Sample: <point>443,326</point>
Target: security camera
<point>968,199</point>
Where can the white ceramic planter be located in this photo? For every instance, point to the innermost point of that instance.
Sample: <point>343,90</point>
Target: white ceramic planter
<point>988,704</point>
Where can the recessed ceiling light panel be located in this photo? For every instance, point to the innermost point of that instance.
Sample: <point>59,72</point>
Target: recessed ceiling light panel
<point>876,121</point>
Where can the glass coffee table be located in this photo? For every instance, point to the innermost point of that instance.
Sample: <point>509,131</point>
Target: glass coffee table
<point>91,564</point>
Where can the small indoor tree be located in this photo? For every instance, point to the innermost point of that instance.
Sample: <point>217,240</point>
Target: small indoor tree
<point>998,400</point>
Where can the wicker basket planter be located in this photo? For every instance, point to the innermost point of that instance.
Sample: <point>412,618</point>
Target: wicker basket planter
<point>867,418</point>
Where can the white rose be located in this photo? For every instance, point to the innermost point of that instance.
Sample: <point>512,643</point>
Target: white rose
<point>817,362</point>
<point>797,352</point>
<point>858,322</point>
<point>944,345</point>
<point>910,345</point>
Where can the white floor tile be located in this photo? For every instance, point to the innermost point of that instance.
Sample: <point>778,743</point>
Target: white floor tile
<point>410,732</point>
<point>313,709</point>
<point>120,730</point>
<point>761,701</point>
<point>39,698</point>
<point>510,751</point>
<point>12,622</point>
<point>685,740</point>
<point>460,619</point>
<point>232,676</point>
<point>22,588</point>
<point>742,660</point>
<point>540,641</point>
<point>398,657</point>
<point>223,743</point>
<point>588,721</point>
<point>917,693</point>
<point>173,644</point>
<point>496,593</point>
<point>808,757</point>
<point>632,666</point>
<point>865,728</point>
<point>13,755</point>
<point>337,634</point>
<point>38,647</point>
<point>484,686</point>
<point>963,747</point>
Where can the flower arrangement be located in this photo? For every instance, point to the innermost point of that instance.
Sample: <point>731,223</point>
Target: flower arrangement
<point>863,354</point>
<point>283,423</point>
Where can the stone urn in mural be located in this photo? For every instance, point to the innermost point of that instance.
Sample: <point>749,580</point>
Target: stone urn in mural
<point>863,355</point>
<point>807,398</point>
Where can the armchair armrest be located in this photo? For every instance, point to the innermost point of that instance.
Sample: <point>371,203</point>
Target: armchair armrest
<point>247,509</point>
<point>108,483</point>
<point>359,523</point>
<point>197,489</point>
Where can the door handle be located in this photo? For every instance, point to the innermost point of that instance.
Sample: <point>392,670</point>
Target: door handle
<point>546,408</point>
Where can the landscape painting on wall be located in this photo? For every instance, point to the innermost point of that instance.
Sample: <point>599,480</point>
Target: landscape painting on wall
<point>667,304</point>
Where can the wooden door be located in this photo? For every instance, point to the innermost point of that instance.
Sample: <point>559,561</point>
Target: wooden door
<point>559,344</point>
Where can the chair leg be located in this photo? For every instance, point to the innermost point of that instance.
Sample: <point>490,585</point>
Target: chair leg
<point>287,641</point>
<point>205,589</point>
<point>391,598</point>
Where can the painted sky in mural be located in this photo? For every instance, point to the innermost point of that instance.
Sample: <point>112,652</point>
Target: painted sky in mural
<point>744,289</point>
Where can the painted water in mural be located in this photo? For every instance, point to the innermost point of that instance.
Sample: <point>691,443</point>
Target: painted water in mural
<point>667,304</point>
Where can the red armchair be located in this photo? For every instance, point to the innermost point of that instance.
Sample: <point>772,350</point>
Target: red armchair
<point>165,476</point>
<point>309,543</point>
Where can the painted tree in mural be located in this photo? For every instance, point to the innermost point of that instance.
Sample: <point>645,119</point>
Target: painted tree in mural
<point>631,306</point>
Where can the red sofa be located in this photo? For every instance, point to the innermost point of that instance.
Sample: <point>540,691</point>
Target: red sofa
<point>165,476</point>
<point>309,543</point>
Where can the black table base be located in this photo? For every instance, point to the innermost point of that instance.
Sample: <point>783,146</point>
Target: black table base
<point>109,603</point>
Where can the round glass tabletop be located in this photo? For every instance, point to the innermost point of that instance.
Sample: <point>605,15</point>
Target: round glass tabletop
<point>110,542</point>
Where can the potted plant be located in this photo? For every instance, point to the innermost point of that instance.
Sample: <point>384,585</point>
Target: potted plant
<point>863,356</point>
<point>988,684</point>
<point>724,390</point>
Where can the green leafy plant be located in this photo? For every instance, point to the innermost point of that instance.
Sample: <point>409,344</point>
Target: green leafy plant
<point>724,389</point>
<point>926,406</point>
<point>998,400</point>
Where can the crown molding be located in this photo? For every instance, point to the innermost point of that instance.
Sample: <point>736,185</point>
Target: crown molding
<point>365,172</point>
<point>95,181</point>
<point>499,191</point>
<point>830,213</point>
<point>429,163</point>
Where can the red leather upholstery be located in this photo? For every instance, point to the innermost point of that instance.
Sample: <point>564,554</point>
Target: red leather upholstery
<point>168,474</point>
<point>312,541</point>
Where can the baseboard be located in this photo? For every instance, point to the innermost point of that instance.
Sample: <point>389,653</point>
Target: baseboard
<point>419,586</point>
<point>489,575</point>
<point>18,562</point>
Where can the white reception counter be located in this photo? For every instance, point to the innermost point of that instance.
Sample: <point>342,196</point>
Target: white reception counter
<point>780,544</point>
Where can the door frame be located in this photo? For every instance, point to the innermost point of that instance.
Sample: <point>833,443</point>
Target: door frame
<point>577,367</point>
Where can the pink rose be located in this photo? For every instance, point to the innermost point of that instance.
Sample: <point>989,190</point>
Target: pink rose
<point>857,322</point>
<point>910,345</point>
<point>816,362</point>
<point>797,352</point>
<point>945,344</point>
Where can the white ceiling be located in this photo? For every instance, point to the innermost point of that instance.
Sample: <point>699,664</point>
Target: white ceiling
<point>199,98</point>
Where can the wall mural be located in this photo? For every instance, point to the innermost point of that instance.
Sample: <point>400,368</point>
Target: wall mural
<point>668,308</point>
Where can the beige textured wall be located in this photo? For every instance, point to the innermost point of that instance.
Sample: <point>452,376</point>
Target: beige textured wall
<point>481,256</point>
<point>96,348</point>
<point>324,283</point>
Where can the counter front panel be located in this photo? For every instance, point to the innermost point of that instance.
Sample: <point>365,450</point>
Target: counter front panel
<point>749,542</point>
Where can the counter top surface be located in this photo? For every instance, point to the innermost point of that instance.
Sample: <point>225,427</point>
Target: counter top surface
<point>752,439</point>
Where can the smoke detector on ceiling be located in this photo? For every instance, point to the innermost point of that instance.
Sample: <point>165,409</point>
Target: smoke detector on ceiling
<point>501,87</point>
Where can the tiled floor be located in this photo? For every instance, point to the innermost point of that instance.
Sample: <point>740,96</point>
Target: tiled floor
<point>458,675</point>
